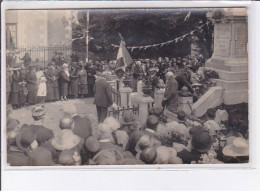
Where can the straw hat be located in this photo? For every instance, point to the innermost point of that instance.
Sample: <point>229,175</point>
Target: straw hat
<point>164,153</point>
<point>65,140</point>
<point>238,147</point>
<point>38,112</point>
<point>112,122</point>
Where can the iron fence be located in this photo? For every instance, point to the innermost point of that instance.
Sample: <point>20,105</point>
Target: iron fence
<point>45,53</point>
<point>119,112</point>
<point>116,97</point>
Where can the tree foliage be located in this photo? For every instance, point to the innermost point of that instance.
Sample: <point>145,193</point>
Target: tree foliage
<point>142,27</point>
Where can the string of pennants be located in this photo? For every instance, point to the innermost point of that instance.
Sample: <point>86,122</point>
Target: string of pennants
<point>167,42</point>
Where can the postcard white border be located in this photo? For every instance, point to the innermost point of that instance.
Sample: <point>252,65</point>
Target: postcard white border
<point>252,12</point>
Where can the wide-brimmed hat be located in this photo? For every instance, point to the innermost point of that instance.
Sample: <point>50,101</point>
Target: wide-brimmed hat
<point>238,147</point>
<point>38,112</point>
<point>65,140</point>
<point>164,153</point>
<point>92,144</point>
<point>112,122</point>
<point>40,157</point>
<point>201,141</point>
<point>153,69</point>
<point>128,118</point>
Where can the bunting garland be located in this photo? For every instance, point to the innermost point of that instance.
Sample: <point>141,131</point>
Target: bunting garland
<point>176,40</point>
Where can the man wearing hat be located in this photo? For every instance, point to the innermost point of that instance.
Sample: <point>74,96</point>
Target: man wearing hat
<point>31,80</point>
<point>128,123</point>
<point>8,83</point>
<point>15,86</point>
<point>103,98</point>
<point>52,76</point>
<point>201,144</point>
<point>64,81</point>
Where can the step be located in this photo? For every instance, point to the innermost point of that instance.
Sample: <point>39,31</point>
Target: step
<point>212,98</point>
<point>227,65</point>
<point>232,76</point>
<point>232,85</point>
<point>235,97</point>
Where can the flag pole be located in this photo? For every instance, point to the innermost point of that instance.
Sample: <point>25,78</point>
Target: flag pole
<point>87,31</point>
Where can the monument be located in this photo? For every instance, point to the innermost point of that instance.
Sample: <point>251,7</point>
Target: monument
<point>230,54</point>
<point>229,60</point>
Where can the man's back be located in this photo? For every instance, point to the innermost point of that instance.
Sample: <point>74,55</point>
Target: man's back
<point>103,94</point>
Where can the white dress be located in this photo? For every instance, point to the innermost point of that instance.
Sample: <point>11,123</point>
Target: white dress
<point>41,80</point>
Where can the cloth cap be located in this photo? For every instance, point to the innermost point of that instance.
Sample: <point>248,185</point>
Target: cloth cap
<point>108,157</point>
<point>92,144</point>
<point>148,155</point>
<point>201,141</point>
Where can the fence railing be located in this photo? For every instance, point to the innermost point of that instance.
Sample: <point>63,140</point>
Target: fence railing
<point>44,53</point>
<point>116,96</point>
<point>118,113</point>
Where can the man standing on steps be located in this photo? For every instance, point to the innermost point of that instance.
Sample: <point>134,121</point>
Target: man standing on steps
<point>103,98</point>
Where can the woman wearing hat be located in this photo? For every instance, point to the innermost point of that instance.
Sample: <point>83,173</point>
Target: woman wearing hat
<point>26,60</point>
<point>69,147</point>
<point>83,83</point>
<point>64,81</point>
<point>41,81</point>
<point>74,81</point>
<point>201,144</point>
<point>32,85</point>
<point>52,76</point>
<point>15,98</point>
<point>8,83</point>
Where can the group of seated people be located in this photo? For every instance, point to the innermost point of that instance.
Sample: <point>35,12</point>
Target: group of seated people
<point>124,141</point>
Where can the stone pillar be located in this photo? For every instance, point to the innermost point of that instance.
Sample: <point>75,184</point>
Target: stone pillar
<point>144,103</point>
<point>158,97</point>
<point>125,96</point>
<point>112,84</point>
<point>230,57</point>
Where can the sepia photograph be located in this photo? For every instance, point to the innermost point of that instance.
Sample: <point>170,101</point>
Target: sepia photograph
<point>88,87</point>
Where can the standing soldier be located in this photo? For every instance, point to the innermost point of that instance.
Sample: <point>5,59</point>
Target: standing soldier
<point>83,87</point>
<point>64,81</point>
<point>32,85</point>
<point>74,81</point>
<point>52,76</point>
<point>91,72</point>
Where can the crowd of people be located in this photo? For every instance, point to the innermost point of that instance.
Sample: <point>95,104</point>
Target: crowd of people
<point>122,142</point>
<point>115,142</point>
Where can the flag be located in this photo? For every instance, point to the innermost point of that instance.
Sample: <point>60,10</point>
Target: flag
<point>123,60</point>
<point>187,16</point>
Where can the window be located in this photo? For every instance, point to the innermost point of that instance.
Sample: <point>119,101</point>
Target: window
<point>11,34</point>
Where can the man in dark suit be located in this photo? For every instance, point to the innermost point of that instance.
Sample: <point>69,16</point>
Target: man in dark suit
<point>103,98</point>
<point>91,72</point>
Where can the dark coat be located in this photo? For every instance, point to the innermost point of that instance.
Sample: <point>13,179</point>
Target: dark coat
<point>8,81</point>
<point>171,94</point>
<point>64,83</point>
<point>74,82</point>
<point>82,127</point>
<point>103,93</point>
<point>52,76</point>
<point>14,98</point>
<point>31,81</point>
<point>91,72</point>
